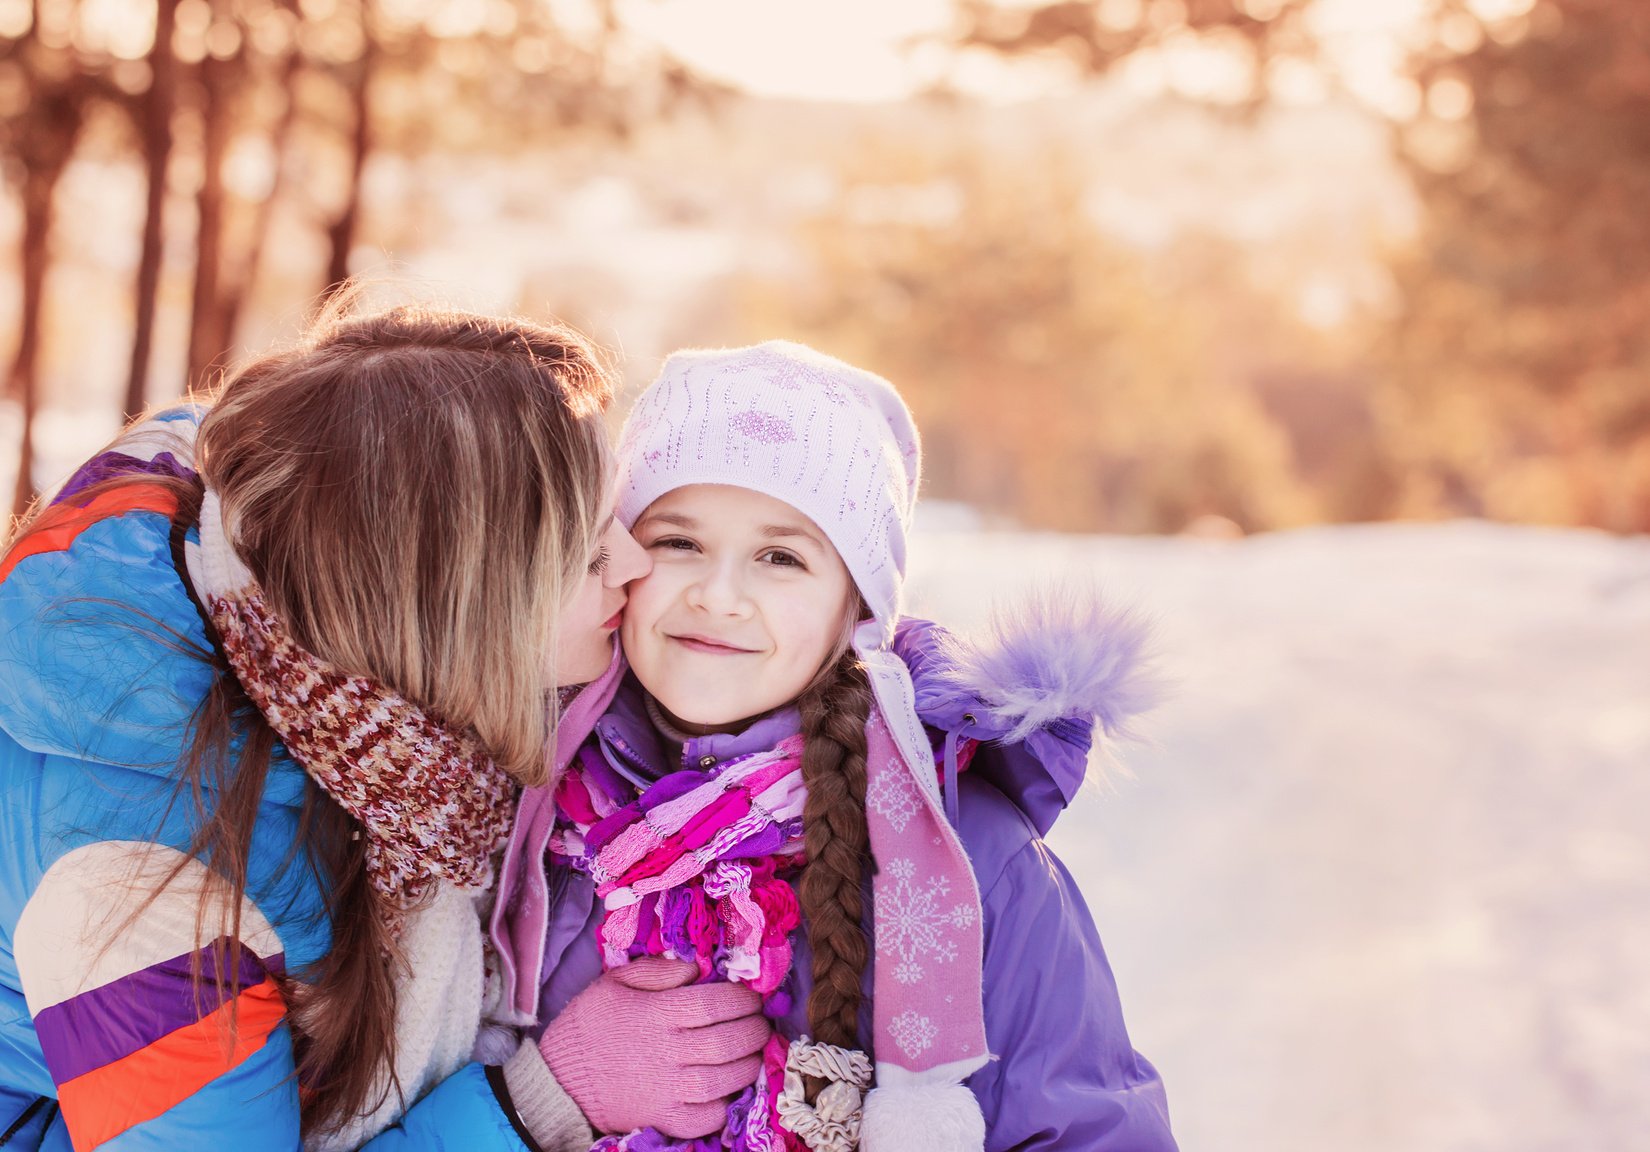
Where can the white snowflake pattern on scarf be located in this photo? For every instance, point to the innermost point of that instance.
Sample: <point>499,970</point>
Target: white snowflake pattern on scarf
<point>913,927</point>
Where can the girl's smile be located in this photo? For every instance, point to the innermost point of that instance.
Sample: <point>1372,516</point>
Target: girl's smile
<point>712,647</point>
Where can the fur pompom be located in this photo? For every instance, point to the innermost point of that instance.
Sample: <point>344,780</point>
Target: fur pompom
<point>925,1118</point>
<point>1059,652</point>
<point>495,1043</point>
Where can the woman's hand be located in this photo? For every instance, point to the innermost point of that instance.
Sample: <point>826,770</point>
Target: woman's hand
<point>645,1047</point>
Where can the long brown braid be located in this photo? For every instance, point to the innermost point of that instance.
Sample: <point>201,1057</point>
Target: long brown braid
<point>834,712</point>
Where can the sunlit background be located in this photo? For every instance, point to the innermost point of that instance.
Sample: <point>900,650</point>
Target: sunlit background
<point>1320,326</point>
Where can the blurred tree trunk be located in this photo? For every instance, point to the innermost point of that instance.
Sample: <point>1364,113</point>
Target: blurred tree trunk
<point>280,141</point>
<point>43,140</point>
<point>40,184</point>
<point>341,234</point>
<point>157,152</point>
<point>207,340</point>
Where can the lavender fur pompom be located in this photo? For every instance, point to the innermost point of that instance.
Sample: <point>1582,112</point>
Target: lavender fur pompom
<point>1057,652</point>
<point>495,1043</point>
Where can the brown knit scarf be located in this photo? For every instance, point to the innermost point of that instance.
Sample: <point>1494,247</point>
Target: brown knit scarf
<point>433,804</point>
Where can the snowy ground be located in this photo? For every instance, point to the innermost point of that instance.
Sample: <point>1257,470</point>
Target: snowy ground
<point>1382,879</point>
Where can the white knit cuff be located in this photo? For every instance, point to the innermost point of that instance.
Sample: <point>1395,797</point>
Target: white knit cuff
<point>545,1108</point>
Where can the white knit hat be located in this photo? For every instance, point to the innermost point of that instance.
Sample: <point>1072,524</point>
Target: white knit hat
<point>833,441</point>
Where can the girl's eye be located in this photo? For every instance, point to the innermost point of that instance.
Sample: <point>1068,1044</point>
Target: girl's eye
<point>781,558</point>
<point>675,543</point>
<point>599,564</point>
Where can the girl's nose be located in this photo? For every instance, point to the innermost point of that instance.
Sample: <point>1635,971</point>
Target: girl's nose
<point>719,590</point>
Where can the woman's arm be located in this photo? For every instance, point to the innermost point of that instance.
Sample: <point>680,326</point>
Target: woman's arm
<point>517,1106</point>
<point>148,1049</point>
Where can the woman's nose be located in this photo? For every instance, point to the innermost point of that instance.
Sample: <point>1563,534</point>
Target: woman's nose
<point>628,560</point>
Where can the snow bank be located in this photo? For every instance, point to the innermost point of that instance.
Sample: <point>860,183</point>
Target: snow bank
<point>1383,879</point>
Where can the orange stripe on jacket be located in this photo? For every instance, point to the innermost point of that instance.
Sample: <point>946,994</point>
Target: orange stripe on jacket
<point>102,1104</point>
<point>60,525</point>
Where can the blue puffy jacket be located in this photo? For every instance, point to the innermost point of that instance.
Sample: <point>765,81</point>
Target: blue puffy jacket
<point>108,1045</point>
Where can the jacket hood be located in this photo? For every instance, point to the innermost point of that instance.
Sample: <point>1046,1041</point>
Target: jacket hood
<point>99,638</point>
<point>1052,670</point>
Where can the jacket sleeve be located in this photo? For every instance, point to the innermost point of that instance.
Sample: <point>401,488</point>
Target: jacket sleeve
<point>1065,1076</point>
<point>140,1052</point>
<point>466,1110</point>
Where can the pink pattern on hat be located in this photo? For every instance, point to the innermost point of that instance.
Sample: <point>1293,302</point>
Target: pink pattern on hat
<point>763,426</point>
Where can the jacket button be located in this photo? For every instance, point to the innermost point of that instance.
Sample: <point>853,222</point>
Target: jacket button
<point>707,761</point>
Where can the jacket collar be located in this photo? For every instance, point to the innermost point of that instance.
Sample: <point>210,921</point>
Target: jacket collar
<point>635,748</point>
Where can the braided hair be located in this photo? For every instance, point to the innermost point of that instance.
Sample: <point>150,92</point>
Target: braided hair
<point>837,838</point>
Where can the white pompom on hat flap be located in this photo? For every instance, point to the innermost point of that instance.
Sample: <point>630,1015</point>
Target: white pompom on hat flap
<point>922,1118</point>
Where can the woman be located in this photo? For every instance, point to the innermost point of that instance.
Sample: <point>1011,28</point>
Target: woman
<point>271,671</point>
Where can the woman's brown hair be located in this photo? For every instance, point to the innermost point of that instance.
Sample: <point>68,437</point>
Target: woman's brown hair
<point>415,491</point>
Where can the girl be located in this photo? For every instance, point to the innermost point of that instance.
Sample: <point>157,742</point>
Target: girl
<point>269,673</point>
<point>795,794</point>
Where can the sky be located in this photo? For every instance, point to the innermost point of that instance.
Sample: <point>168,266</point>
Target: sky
<point>842,50</point>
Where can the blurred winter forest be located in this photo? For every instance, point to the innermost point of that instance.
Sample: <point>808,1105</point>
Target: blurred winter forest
<point>1201,267</point>
<point>1140,265</point>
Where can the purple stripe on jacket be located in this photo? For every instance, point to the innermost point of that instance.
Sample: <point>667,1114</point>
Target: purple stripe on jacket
<point>111,464</point>
<point>114,1020</point>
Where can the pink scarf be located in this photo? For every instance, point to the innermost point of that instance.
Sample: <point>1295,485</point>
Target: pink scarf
<point>927,1014</point>
<point>521,910</point>
<point>696,868</point>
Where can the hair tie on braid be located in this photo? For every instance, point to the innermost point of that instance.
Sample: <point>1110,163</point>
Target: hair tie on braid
<point>831,1123</point>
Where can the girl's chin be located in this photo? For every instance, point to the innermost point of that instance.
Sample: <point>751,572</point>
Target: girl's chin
<point>694,717</point>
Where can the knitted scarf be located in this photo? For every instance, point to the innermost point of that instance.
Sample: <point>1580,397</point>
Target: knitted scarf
<point>432,804</point>
<point>695,868</point>
<point>698,867</point>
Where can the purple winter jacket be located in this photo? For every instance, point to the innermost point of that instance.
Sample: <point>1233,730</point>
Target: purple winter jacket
<point>1065,1075</point>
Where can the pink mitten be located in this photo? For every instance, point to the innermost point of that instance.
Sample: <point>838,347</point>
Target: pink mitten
<point>644,1047</point>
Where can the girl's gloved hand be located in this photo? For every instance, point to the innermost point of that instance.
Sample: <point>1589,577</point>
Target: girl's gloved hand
<point>645,1047</point>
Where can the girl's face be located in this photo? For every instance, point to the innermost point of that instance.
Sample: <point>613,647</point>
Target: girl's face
<point>584,630</point>
<point>746,601</point>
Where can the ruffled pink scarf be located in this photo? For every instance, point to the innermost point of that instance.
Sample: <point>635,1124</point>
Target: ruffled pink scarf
<point>697,868</point>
